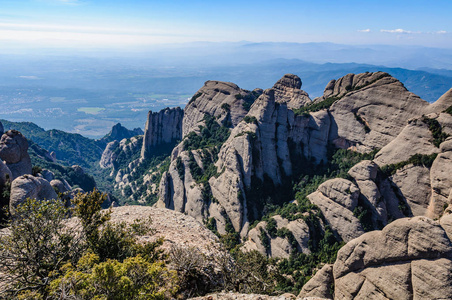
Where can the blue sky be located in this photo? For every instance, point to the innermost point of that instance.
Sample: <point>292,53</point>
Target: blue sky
<point>139,23</point>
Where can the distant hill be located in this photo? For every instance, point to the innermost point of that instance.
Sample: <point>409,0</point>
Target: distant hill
<point>72,148</point>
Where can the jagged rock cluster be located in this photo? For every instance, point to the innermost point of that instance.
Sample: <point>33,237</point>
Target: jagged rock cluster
<point>163,127</point>
<point>367,111</point>
<point>275,132</point>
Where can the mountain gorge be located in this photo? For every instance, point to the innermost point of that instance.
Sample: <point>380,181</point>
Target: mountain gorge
<point>362,172</point>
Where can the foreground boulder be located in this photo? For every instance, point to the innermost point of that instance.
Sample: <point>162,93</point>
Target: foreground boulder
<point>410,258</point>
<point>13,150</point>
<point>28,186</point>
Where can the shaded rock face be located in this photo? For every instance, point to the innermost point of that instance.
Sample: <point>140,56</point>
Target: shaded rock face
<point>13,151</point>
<point>109,155</point>
<point>223,100</point>
<point>287,90</point>
<point>2,130</point>
<point>28,186</point>
<point>162,127</point>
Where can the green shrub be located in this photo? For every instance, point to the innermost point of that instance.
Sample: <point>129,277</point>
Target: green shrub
<point>37,247</point>
<point>250,119</point>
<point>437,132</point>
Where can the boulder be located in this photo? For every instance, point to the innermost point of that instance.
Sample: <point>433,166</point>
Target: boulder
<point>13,151</point>
<point>440,105</point>
<point>59,185</point>
<point>28,186</point>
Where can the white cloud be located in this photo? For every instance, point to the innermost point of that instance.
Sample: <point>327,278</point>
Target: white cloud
<point>441,32</point>
<point>364,30</point>
<point>399,30</point>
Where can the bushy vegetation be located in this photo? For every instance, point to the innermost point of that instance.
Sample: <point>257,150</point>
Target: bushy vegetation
<point>437,132</point>
<point>42,258</point>
<point>250,119</point>
<point>417,160</point>
<point>449,110</point>
<point>316,106</point>
<point>211,135</point>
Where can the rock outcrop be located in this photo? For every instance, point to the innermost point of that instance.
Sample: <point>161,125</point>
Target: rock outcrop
<point>279,246</point>
<point>163,127</point>
<point>287,90</point>
<point>28,186</point>
<point>337,198</point>
<point>223,100</point>
<point>320,284</point>
<point>371,109</point>
<point>5,174</point>
<point>410,258</point>
<point>109,155</point>
<point>2,130</point>
<point>119,132</point>
<point>13,151</point>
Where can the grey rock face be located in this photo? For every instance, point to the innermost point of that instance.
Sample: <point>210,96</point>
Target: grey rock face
<point>59,185</point>
<point>415,138</point>
<point>320,285</point>
<point>223,100</point>
<point>28,186</point>
<point>375,100</point>
<point>13,150</point>
<point>287,90</point>
<point>440,105</point>
<point>441,180</point>
<point>337,198</point>
<point>408,259</point>
<point>109,155</point>
<point>162,127</point>
<point>279,247</point>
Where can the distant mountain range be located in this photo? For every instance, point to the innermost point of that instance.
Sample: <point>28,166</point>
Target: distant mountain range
<point>89,93</point>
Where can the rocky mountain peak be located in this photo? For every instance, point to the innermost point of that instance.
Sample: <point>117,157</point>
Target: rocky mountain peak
<point>288,81</point>
<point>162,127</point>
<point>223,100</point>
<point>119,132</point>
<point>287,90</point>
